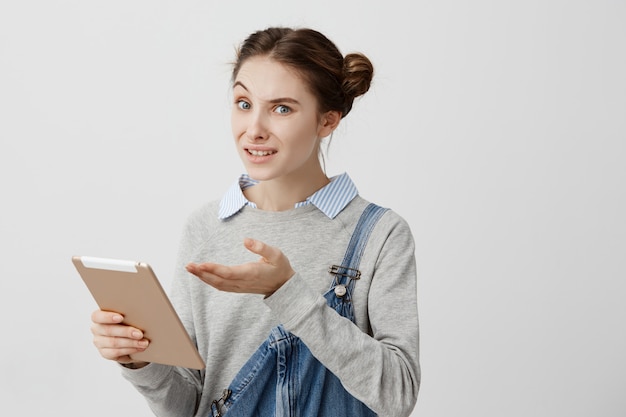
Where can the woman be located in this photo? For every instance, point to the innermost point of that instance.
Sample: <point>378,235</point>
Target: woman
<point>262,276</point>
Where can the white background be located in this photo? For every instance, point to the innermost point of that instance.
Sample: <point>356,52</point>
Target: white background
<point>496,128</point>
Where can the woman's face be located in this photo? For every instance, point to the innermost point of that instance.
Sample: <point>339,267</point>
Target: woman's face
<point>276,123</point>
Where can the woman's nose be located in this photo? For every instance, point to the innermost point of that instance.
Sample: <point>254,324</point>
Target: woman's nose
<point>258,128</point>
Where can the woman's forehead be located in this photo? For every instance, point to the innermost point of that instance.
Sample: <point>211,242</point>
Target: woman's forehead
<point>269,79</point>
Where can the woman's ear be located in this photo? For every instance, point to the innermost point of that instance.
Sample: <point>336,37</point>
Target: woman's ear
<point>329,122</point>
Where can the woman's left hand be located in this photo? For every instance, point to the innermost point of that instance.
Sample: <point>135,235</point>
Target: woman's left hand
<point>262,277</point>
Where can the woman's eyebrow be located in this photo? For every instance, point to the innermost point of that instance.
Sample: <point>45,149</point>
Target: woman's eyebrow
<point>283,100</point>
<point>239,83</point>
<point>274,100</point>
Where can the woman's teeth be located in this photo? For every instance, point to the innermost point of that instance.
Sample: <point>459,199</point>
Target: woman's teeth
<point>260,153</point>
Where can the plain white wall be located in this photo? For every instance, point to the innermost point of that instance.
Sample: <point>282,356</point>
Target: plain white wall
<point>496,128</point>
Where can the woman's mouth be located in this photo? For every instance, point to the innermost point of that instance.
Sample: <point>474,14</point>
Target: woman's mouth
<point>254,152</point>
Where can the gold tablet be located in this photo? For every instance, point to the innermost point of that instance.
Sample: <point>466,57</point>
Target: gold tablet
<point>133,290</point>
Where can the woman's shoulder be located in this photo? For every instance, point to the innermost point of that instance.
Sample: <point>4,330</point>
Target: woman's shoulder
<point>390,221</point>
<point>204,212</point>
<point>203,218</point>
<point>356,207</point>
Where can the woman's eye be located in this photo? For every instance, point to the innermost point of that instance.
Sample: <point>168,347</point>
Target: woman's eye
<point>243,105</point>
<point>282,109</point>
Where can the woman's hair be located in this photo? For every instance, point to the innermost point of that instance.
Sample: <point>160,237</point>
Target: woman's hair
<point>335,80</point>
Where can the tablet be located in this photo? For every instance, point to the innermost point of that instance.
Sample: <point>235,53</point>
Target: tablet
<point>133,290</point>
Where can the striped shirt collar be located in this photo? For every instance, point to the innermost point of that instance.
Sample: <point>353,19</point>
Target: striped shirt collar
<point>330,199</point>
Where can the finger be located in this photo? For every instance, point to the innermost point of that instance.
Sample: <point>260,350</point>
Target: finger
<point>270,253</point>
<point>106,342</point>
<point>116,330</point>
<point>231,282</point>
<point>106,317</point>
<point>222,271</point>
<point>119,355</point>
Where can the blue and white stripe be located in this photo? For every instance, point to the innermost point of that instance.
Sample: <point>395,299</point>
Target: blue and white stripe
<point>330,199</point>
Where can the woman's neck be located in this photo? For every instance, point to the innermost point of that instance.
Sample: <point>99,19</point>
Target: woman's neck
<point>282,194</point>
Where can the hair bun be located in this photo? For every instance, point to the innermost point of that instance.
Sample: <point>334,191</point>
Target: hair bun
<point>358,72</point>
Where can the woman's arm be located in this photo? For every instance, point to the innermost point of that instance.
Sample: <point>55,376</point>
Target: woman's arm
<point>173,391</point>
<point>381,370</point>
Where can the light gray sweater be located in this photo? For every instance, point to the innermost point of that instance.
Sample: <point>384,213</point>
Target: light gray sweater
<point>376,360</point>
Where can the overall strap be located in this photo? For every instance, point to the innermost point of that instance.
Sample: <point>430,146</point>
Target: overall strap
<point>361,234</point>
<point>350,266</point>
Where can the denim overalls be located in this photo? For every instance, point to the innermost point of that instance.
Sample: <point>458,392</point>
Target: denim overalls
<point>282,378</point>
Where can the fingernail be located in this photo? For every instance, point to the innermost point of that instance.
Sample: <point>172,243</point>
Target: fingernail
<point>137,334</point>
<point>143,343</point>
<point>118,318</point>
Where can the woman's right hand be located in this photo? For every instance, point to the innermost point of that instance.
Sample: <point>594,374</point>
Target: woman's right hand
<point>116,341</point>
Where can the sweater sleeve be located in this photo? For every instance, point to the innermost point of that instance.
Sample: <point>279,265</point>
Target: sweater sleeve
<point>173,391</point>
<point>382,369</point>
<point>169,391</point>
